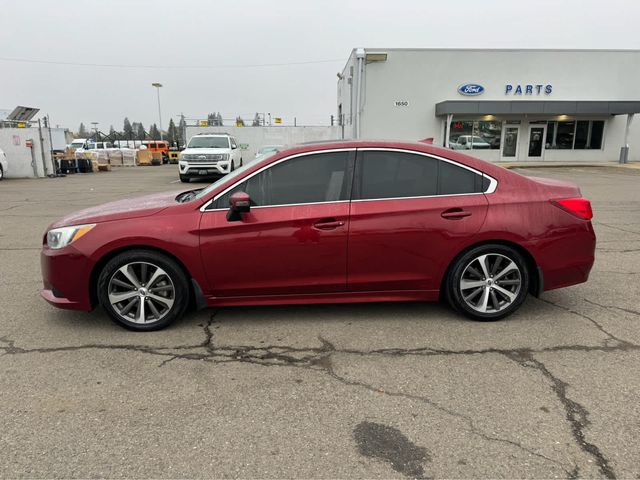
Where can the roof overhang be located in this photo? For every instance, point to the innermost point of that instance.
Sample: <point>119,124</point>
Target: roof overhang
<point>520,107</point>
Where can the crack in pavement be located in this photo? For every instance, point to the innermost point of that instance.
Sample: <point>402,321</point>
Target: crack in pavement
<point>320,359</point>
<point>576,414</point>
<point>627,310</point>
<point>617,228</point>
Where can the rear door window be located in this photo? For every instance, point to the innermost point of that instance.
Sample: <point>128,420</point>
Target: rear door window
<point>455,180</point>
<point>388,174</point>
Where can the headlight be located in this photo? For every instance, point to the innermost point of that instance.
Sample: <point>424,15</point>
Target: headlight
<point>61,237</point>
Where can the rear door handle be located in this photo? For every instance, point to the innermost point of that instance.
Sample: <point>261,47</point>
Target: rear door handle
<point>455,214</point>
<point>329,224</point>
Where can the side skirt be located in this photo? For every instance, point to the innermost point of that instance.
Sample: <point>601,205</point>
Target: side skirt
<point>323,298</point>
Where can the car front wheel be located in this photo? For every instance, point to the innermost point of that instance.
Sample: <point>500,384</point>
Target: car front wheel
<point>1,173</point>
<point>143,290</point>
<point>488,282</point>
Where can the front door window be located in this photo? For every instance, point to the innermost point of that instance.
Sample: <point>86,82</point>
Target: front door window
<point>510,145</point>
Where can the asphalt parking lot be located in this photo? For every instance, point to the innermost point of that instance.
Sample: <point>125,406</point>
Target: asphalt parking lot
<point>376,390</point>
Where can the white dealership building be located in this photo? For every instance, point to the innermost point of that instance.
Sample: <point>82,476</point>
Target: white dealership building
<point>503,105</point>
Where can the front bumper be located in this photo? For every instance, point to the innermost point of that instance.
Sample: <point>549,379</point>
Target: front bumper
<point>66,278</point>
<point>204,169</point>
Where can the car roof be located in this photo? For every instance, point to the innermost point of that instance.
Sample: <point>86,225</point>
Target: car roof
<point>422,147</point>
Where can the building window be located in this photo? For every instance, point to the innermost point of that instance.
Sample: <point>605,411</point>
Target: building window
<point>475,135</point>
<point>597,132</point>
<point>578,135</point>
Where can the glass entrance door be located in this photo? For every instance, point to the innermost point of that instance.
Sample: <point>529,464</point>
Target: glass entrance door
<point>536,142</point>
<point>510,141</point>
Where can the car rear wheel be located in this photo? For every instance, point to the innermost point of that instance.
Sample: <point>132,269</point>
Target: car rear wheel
<point>143,290</point>
<point>1,173</point>
<point>488,282</point>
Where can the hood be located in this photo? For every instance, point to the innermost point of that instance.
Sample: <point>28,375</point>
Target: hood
<point>204,151</point>
<point>121,209</point>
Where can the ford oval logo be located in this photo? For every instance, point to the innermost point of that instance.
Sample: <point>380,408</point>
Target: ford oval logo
<point>470,89</point>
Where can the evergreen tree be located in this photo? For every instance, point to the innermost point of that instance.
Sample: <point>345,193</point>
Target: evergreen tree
<point>154,133</point>
<point>82,131</point>
<point>140,133</point>
<point>127,129</point>
<point>112,131</point>
<point>172,133</point>
<point>256,120</point>
<point>211,119</point>
<point>219,120</point>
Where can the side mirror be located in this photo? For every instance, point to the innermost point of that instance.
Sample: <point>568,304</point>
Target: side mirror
<point>233,147</point>
<point>239,203</point>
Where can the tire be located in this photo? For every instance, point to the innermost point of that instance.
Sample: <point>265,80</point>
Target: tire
<point>184,179</point>
<point>241,162</point>
<point>488,298</point>
<point>127,275</point>
<point>233,166</point>
<point>1,173</point>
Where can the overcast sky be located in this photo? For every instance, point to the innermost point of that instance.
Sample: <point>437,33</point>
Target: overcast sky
<point>201,50</point>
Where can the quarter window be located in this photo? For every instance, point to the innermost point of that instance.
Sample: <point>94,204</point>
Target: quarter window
<point>313,178</point>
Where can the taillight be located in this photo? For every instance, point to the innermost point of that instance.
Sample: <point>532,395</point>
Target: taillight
<point>580,207</point>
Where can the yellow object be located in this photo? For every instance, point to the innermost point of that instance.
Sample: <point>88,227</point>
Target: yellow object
<point>22,125</point>
<point>81,231</point>
<point>203,123</point>
<point>278,120</point>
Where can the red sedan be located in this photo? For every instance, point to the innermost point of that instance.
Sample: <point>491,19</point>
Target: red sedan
<point>346,221</point>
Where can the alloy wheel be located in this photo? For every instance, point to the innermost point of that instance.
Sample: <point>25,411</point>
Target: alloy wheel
<point>490,283</point>
<point>141,292</point>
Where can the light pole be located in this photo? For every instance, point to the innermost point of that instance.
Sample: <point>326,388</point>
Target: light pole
<point>158,85</point>
<point>95,127</point>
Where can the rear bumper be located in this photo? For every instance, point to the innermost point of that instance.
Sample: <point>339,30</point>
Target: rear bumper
<point>568,260</point>
<point>66,278</point>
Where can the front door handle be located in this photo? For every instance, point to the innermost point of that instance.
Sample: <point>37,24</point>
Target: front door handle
<point>328,224</point>
<point>455,214</point>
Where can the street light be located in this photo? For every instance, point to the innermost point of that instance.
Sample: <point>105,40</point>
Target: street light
<point>95,127</point>
<point>158,85</point>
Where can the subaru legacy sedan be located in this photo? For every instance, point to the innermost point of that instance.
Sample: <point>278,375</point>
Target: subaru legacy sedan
<point>346,221</point>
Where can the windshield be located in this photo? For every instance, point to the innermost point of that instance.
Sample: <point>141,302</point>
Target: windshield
<point>235,174</point>
<point>208,142</point>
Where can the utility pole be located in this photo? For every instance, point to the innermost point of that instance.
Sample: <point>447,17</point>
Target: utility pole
<point>158,86</point>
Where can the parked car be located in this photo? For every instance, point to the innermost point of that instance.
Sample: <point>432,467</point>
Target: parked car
<point>469,142</point>
<point>77,144</point>
<point>268,149</point>
<point>348,221</point>
<point>209,155</point>
<point>4,165</point>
